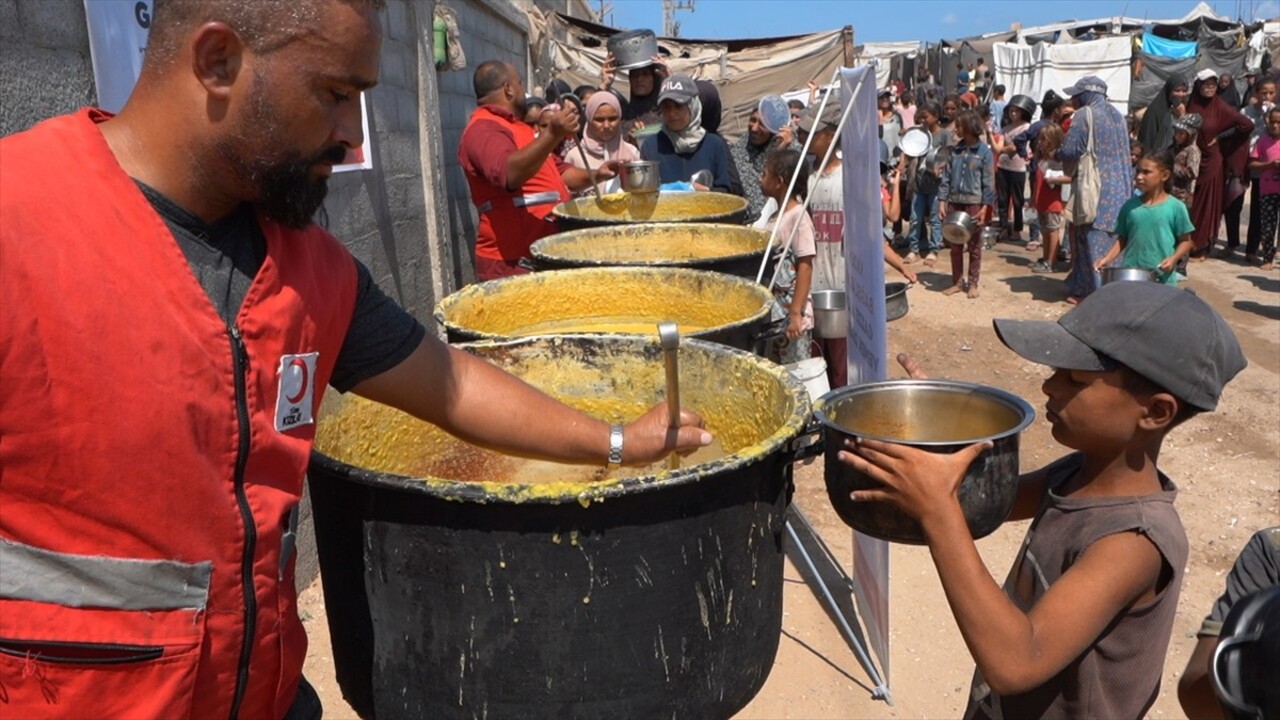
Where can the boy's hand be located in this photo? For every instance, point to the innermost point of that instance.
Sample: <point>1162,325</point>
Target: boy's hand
<point>922,483</point>
<point>909,364</point>
<point>1167,265</point>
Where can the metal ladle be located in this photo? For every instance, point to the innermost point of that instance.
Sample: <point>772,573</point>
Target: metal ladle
<point>669,338</point>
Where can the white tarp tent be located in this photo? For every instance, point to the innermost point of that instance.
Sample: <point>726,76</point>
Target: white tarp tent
<point>1033,69</point>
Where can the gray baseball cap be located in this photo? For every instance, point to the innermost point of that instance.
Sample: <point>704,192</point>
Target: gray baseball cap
<point>678,88</point>
<point>1088,83</point>
<point>1168,336</point>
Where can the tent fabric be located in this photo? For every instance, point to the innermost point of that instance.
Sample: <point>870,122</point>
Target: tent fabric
<point>1155,46</point>
<point>743,72</point>
<point>1155,72</point>
<point>1033,69</point>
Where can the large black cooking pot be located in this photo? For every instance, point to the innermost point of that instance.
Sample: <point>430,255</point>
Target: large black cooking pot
<point>613,300</point>
<point>700,207</point>
<point>731,249</point>
<point>940,416</point>
<point>657,594</point>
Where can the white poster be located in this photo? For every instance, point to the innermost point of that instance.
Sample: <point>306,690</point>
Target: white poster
<point>864,271</point>
<point>118,32</point>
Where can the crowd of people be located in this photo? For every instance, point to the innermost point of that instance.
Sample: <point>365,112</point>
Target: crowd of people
<point>1090,188</point>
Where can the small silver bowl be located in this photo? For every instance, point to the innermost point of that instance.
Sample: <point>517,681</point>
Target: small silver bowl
<point>640,176</point>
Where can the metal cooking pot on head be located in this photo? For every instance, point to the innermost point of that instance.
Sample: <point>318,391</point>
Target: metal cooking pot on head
<point>633,49</point>
<point>446,580</point>
<point>936,415</point>
<point>1024,103</point>
<point>958,227</point>
<point>614,301</point>
<point>704,207</point>
<point>731,249</point>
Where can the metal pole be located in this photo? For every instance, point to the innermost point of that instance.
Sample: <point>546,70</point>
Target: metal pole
<point>881,691</point>
<point>773,235</point>
<point>844,117</point>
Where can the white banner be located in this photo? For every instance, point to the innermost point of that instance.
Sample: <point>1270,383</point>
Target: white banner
<point>1033,69</point>
<point>864,273</point>
<point>118,32</point>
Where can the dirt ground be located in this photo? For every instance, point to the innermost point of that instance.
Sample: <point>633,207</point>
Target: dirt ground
<point>1226,464</point>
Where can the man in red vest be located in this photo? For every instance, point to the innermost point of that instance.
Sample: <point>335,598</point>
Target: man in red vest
<point>515,177</point>
<point>169,320</point>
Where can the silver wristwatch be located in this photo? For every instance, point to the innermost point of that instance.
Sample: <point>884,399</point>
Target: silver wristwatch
<point>615,446</point>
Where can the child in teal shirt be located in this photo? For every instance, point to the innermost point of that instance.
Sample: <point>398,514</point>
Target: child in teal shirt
<point>1154,228</point>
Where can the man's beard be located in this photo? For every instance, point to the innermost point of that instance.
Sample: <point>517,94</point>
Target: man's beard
<point>286,191</point>
<point>283,189</point>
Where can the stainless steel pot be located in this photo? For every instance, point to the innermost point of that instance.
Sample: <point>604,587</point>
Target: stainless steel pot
<point>958,227</point>
<point>940,416</point>
<point>1118,274</point>
<point>830,314</point>
<point>895,300</point>
<point>990,236</point>
<point>639,176</point>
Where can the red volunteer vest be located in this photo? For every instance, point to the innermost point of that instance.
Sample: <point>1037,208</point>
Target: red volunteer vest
<point>507,229</point>
<point>149,462</point>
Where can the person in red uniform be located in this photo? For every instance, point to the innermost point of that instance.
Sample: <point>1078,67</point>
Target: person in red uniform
<point>170,317</point>
<point>516,179</point>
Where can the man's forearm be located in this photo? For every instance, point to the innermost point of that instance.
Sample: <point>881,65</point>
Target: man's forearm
<point>525,162</point>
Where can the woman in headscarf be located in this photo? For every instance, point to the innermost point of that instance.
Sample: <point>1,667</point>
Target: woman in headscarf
<point>602,138</point>
<point>1092,241</point>
<point>1224,153</point>
<point>1156,132</point>
<point>683,146</point>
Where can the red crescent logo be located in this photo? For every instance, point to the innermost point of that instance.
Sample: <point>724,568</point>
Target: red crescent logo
<point>302,386</point>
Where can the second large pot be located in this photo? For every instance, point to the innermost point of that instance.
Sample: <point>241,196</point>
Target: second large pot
<point>612,300</point>
<point>940,416</point>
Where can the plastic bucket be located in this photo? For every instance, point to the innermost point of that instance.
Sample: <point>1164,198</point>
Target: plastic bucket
<point>813,374</point>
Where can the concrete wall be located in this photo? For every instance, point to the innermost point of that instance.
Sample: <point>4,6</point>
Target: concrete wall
<point>44,61</point>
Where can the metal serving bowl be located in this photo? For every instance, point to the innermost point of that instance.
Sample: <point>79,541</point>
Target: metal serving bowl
<point>958,227</point>
<point>1117,274</point>
<point>895,300</point>
<point>940,416</point>
<point>640,176</point>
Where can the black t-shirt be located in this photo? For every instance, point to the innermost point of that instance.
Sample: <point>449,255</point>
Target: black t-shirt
<point>225,257</point>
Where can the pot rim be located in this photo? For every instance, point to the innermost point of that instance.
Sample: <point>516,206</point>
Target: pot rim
<point>478,289</point>
<point>957,386</point>
<point>585,493</point>
<point>550,241</point>
<point>739,205</point>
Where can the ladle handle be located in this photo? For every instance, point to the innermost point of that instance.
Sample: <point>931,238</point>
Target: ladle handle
<point>669,335</point>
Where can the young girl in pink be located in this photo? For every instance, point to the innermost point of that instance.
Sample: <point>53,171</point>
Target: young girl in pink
<point>1265,159</point>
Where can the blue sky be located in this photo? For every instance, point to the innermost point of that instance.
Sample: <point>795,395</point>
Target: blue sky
<point>876,20</point>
